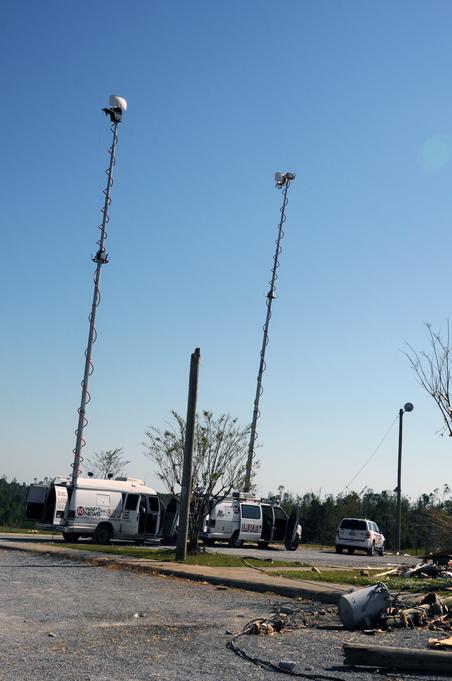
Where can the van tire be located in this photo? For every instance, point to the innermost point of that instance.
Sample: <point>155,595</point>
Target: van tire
<point>70,537</point>
<point>339,549</point>
<point>235,542</point>
<point>263,545</point>
<point>208,542</point>
<point>351,550</point>
<point>103,534</point>
<point>169,541</point>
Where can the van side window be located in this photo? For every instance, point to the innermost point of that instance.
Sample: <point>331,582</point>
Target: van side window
<point>249,511</point>
<point>153,503</point>
<point>131,503</point>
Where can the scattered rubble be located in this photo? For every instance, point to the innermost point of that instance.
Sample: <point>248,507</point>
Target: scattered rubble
<point>377,607</point>
<point>432,566</point>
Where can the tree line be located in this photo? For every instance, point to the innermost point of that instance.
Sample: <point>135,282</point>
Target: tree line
<point>426,522</point>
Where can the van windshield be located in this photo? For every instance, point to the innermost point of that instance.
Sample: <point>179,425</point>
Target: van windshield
<point>353,524</point>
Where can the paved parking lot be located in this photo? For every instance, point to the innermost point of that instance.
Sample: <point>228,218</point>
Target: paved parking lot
<point>61,619</point>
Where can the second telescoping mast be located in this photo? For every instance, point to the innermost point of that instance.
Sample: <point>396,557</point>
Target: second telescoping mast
<point>117,106</point>
<point>282,181</point>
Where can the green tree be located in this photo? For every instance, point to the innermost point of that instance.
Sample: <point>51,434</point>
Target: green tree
<point>12,503</point>
<point>108,464</point>
<point>219,460</point>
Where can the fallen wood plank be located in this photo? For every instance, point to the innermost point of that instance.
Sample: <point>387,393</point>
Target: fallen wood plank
<point>409,659</point>
<point>392,571</point>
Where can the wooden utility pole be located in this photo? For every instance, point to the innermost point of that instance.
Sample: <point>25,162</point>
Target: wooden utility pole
<point>185,495</point>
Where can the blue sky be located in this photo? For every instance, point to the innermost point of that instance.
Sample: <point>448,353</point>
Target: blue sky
<point>355,97</point>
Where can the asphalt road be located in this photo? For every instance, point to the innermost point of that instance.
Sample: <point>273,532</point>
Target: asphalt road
<point>319,557</point>
<point>66,620</point>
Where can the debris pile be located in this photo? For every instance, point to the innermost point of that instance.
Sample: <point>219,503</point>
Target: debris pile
<point>432,566</point>
<point>430,612</point>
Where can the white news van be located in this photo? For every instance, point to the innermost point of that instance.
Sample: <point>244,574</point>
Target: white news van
<point>243,518</point>
<point>123,508</point>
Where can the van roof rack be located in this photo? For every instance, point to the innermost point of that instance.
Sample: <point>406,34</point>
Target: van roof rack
<point>244,496</point>
<point>137,481</point>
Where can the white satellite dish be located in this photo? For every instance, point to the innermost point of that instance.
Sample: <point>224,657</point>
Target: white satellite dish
<point>119,102</point>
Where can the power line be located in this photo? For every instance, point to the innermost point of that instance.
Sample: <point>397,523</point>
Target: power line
<point>373,453</point>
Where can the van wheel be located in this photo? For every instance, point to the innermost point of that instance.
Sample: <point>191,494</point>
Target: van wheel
<point>70,538</point>
<point>339,549</point>
<point>169,541</point>
<point>293,545</point>
<point>371,550</point>
<point>351,551</point>
<point>234,541</point>
<point>208,542</point>
<point>103,534</point>
<point>262,545</point>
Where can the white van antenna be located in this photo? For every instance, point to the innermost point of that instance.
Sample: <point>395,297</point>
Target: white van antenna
<point>117,107</point>
<point>282,181</point>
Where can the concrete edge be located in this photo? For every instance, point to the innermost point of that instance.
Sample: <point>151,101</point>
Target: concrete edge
<point>137,565</point>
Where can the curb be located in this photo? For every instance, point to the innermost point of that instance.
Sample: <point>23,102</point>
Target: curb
<point>248,582</point>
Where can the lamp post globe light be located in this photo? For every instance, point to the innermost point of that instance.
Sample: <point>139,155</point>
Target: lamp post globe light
<point>407,407</point>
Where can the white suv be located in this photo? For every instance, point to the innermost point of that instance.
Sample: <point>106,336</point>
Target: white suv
<point>359,533</point>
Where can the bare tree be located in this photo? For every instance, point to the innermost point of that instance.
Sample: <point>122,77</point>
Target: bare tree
<point>433,369</point>
<point>108,463</point>
<point>219,459</point>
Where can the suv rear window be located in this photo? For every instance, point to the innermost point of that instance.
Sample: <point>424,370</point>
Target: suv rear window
<point>353,524</point>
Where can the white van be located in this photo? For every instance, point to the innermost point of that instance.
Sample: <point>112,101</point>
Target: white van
<point>243,518</point>
<point>123,508</point>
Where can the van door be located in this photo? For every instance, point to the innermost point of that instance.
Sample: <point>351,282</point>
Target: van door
<point>170,520</point>
<point>291,538</point>
<point>280,527</point>
<point>250,522</point>
<point>130,515</point>
<point>267,522</point>
<point>153,516</point>
<point>55,506</point>
<point>36,500</point>
<point>61,498</point>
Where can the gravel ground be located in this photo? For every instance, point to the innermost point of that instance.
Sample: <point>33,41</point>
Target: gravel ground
<point>66,620</point>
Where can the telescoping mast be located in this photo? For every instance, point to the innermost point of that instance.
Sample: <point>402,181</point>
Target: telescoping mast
<point>282,181</point>
<point>114,111</point>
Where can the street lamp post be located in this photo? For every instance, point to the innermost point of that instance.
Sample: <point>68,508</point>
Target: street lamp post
<point>407,407</point>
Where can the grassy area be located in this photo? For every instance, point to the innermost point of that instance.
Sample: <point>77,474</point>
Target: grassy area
<point>5,529</point>
<point>355,578</point>
<point>212,559</point>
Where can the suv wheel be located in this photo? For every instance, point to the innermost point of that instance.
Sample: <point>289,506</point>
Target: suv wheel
<point>338,549</point>
<point>381,552</point>
<point>371,550</point>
